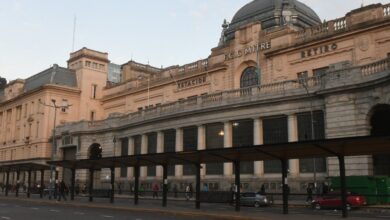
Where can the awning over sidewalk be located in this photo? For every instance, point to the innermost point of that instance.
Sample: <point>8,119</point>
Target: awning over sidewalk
<point>353,146</point>
<point>23,167</point>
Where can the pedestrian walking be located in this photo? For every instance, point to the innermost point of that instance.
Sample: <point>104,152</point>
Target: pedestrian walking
<point>262,189</point>
<point>309,191</point>
<point>61,190</point>
<point>155,191</point>
<point>205,187</point>
<point>175,191</point>
<point>191,190</point>
<point>187,192</point>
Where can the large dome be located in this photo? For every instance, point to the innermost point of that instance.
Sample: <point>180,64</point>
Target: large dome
<point>273,13</point>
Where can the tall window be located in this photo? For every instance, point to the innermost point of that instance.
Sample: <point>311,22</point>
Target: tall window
<point>250,77</point>
<point>170,146</point>
<point>18,112</point>
<point>214,140</point>
<point>94,90</point>
<point>64,107</point>
<point>190,143</point>
<point>302,76</point>
<point>152,149</point>
<point>243,137</point>
<point>275,131</point>
<point>309,165</point>
<point>137,144</point>
<point>124,152</point>
<point>92,116</point>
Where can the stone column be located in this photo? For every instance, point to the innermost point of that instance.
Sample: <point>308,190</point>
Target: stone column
<point>202,145</point>
<point>293,137</point>
<point>160,149</point>
<point>130,150</point>
<point>258,139</point>
<point>179,148</point>
<point>144,150</point>
<point>228,143</point>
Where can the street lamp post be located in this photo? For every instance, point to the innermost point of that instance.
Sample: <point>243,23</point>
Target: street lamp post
<point>304,83</point>
<point>55,107</point>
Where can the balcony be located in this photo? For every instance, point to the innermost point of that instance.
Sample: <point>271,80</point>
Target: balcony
<point>336,80</point>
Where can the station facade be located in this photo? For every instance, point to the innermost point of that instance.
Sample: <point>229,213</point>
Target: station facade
<point>278,75</point>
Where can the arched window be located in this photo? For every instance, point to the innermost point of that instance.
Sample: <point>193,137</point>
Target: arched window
<point>95,151</point>
<point>250,77</point>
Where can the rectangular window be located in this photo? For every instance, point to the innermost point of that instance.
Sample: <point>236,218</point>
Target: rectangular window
<point>88,63</point>
<point>9,115</point>
<point>214,139</point>
<point>101,66</point>
<point>1,119</point>
<point>94,65</point>
<point>190,143</point>
<point>92,117</point>
<point>275,130</point>
<point>305,132</point>
<point>32,108</point>
<point>18,112</point>
<point>320,71</point>
<point>152,149</point>
<point>302,76</point>
<point>137,144</point>
<point>94,90</point>
<point>243,137</point>
<point>170,146</point>
<point>64,105</point>
<point>37,133</point>
<point>66,140</point>
<point>124,152</point>
<point>25,110</point>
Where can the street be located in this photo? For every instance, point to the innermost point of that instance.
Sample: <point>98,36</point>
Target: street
<point>11,208</point>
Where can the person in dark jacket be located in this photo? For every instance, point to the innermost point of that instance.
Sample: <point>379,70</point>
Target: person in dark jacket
<point>62,189</point>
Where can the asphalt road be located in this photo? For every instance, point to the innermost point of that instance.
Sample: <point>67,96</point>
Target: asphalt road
<point>20,210</point>
<point>35,209</point>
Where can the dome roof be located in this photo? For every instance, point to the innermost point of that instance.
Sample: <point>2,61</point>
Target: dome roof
<point>273,13</point>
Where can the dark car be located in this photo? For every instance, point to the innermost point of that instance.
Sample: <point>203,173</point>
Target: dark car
<point>255,199</point>
<point>333,200</point>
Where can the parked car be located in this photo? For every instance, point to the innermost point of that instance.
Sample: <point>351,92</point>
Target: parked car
<point>333,200</point>
<point>255,199</point>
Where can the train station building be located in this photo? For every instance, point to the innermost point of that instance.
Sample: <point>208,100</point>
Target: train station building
<point>279,74</point>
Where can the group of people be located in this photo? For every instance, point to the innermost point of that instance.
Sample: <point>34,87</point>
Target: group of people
<point>58,190</point>
<point>313,188</point>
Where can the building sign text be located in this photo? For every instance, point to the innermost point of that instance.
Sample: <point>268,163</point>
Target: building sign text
<point>248,50</point>
<point>318,50</point>
<point>192,82</point>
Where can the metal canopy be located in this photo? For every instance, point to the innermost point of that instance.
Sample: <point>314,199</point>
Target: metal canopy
<point>23,167</point>
<point>352,146</point>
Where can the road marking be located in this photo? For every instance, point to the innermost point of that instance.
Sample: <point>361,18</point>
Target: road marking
<point>107,216</point>
<point>332,214</point>
<point>4,217</point>
<point>33,208</point>
<point>79,213</point>
<point>3,204</point>
<point>387,217</point>
<point>54,210</point>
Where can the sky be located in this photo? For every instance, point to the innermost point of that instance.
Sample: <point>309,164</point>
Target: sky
<point>35,34</point>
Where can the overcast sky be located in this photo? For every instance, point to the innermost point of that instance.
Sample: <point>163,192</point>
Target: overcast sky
<point>35,34</point>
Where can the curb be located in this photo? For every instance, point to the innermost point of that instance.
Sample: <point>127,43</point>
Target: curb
<point>143,210</point>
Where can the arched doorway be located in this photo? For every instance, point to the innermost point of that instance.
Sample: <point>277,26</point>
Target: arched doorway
<point>95,151</point>
<point>250,77</point>
<point>380,126</point>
